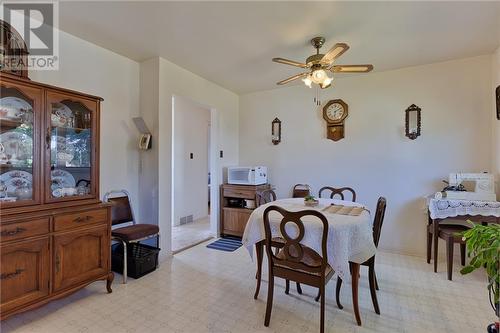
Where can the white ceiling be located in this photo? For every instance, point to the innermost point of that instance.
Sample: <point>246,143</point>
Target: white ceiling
<point>232,43</point>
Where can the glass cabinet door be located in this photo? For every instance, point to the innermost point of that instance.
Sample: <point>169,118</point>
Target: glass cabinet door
<point>19,137</point>
<point>70,141</point>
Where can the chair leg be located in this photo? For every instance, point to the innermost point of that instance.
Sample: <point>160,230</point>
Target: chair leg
<point>337,292</point>
<point>258,275</point>
<point>269,306</point>
<point>376,281</point>
<point>318,296</point>
<point>299,288</point>
<point>355,291</point>
<point>322,315</point>
<point>462,254</point>
<point>287,288</point>
<point>449,256</point>
<point>429,244</point>
<point>373,291</point>
<point>124,261</point>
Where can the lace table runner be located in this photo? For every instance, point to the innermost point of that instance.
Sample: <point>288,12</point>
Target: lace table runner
<point>444,208</point>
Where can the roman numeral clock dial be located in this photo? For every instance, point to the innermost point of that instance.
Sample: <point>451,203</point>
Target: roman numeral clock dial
<point>335,112</point>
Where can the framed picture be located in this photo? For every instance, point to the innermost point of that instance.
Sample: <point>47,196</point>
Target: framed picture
<point>498,102</point>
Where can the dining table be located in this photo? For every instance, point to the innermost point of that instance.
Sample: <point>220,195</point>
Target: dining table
<point>349,242</point>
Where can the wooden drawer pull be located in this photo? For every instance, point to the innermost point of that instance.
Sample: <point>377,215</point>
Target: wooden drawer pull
<point>12,232</point>
<point>83,219</point>
<point>6,276</point>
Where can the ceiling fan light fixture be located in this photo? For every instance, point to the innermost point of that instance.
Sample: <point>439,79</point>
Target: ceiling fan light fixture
<point>318,76</point>
<point>307,81</point>
<point>327,82</point>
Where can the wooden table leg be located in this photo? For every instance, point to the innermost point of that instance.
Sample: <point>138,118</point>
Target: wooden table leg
<point>259,249</point>
<point>354,283</point>
<point>435,232</point>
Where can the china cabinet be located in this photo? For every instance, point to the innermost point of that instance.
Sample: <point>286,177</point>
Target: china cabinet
<point>55,233</point>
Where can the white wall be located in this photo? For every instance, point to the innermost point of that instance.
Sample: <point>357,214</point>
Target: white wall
<point>376,158</point>
<point>496,123</point>
<point>172,80</point>
<point>92,69</point>
<point>191,124</point>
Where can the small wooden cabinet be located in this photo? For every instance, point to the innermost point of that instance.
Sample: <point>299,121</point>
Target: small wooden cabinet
<point>55,234</point>
<point>233,220</point>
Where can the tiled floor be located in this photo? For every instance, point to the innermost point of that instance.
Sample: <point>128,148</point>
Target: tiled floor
<point>188,234</point>
<point>204,290</point>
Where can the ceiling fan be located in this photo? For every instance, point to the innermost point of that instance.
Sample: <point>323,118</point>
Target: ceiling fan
<point>319,64</point>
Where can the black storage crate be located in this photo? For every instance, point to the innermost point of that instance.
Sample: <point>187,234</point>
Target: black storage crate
<point>141,259</point>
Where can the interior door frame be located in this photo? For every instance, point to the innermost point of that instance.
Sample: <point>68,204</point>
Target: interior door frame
<point>214,169</point>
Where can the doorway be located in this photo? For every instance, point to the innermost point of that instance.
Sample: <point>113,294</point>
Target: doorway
<point>192,174</point>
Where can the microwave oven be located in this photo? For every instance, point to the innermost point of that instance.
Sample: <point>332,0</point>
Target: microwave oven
<point>256,175</point>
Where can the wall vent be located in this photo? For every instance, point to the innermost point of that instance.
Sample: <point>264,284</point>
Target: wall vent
<point>186,219</point>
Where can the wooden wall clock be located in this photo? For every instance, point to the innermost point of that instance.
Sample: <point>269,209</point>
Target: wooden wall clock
<point>335,112</point>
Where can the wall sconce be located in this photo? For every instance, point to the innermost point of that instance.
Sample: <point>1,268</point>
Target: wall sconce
<point>413,122</point>
<point>276,131</point>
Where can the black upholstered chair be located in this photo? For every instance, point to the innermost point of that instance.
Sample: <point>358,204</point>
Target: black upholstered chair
<point>121,213</point>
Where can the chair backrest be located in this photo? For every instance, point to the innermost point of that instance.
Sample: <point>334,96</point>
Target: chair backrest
<point>338,191</point>
<point>379,219</point>
<point>301,191</point>
<point>265,196</point>
<point>121,211</point>
<point>293,250</point>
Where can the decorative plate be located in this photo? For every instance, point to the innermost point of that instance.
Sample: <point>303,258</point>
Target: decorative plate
<point>61,179</point>
<point>17,146</point>
<point>61,114</point>
<point>15,184</point>
<point>16,174</point>
<point>12,108</point>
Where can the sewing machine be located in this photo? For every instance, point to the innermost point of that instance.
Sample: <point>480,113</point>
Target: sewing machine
<point>472,186</point>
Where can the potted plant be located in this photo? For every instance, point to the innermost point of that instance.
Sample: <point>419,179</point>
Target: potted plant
<point>483,244</point>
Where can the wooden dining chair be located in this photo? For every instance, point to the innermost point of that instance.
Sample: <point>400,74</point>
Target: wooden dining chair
<point>301,191</point>
<point>338,191</point>
<point>265,196</point>
<point>296,261</point>
<point>372,278</point>
<point>277,243</point>
<point>451,234</point>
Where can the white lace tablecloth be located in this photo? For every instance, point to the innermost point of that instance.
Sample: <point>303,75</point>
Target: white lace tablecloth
<point>350,238</point>
<point>444,208</point>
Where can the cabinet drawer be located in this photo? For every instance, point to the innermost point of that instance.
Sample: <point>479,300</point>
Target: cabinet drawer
<point>239,193</point>
<point>70,221</point>
<point>24,229</point>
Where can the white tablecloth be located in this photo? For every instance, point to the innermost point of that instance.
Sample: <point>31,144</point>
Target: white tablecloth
<point>444,208</point>
<point>350,238</point>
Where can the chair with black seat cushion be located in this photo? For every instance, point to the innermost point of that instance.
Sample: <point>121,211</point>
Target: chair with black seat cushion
<point>295,261</point>
<point>264,197</point>
<point>301,191</point>
<point>121,213</point>
<point>451,234</point>
<point>372,278</point>
<point>337,191</point>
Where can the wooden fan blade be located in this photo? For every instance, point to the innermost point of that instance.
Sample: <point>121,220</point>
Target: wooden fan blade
<point>352,68</point>
<point>293,78</point>
<point>336,51</point>
<point>289,62</point>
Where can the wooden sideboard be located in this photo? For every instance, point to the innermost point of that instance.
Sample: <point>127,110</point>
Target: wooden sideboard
<point>55,233</point>
<point>234,219</point>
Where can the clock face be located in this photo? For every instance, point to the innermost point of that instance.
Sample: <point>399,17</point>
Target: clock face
<point>335,112</point>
